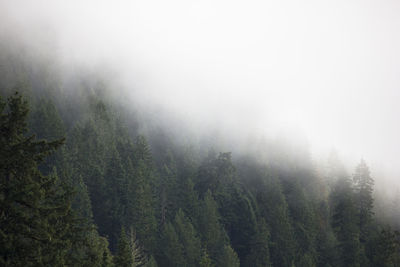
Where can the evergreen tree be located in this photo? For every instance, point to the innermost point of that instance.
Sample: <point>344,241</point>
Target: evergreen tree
<point>205,260</point>
<point>124,257</point>
<point>228,258</point>
<point>151,263</point>
<point>138,256</point>
<point>171,249</point>
<point>213,235</point>
<point>303,221</point>
<point>345,223</point>
<point>188,238</point>
<point>26,195</point>
<point>142,213</point>
<point>37,224</point>
<point>168,188</point>
<point>363,186</point>
<point>189,200</point>
<point>386,249</point>
<point>274,209</point>
<point>116,195</point>
<point>259,253</point>
<point>45,122</point>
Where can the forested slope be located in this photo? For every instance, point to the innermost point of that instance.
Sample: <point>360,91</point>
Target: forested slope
<point>82,184</point>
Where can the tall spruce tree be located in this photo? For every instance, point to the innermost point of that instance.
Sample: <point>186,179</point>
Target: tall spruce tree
<point>36,216</point>
<point>213,235</point>
<point>123,257</point>
<point>171,250</point>
<point>363,187</point>
<point>188,238</point>
<point>344,223</point>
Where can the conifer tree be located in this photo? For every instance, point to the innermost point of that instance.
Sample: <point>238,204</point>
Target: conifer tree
<point>363,187</point>
<point>344,223</point>
<point>205,260</point>
<point>143,211</point>
<point>259,252</point>
<point>151,263</point>
<point>36,216</point>
<point>386,247</point>
<point>138,256</point>
<point>189,200</point>
<point>274,209</point>
<point>124,257</point>
<point>171,248</point>
<point>168,188</point>
<point>188,238</point>
<point>228,258</point>
<point>213,235</point>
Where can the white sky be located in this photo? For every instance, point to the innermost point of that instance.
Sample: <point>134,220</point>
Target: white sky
<point>329,68</point>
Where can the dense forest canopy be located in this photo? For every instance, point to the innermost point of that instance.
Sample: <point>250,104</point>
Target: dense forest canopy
<point>89,177</point>
<point>87,182</point>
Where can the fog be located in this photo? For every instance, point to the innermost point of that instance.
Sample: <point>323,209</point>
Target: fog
<point>328,70</point>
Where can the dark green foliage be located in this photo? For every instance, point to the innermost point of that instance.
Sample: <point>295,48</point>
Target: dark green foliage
<point>151,263</point>
<point>386,247</point>
<point>88,249</point>
<point>228,258</point>
<point>81,203</point>
<point>363,186</point>
<point>123,257</point>
<point>212,233</point>
<point>274,210</point>
<point>143,213</point>
<point>304,223</point>
<point>183,207</point>
<point>259,247</point>
<point>168,189</point>
<point>205,260</point>
<point>188,200</point>
<point>188,238</point>
<point>345,223</point>
<point>45,121</point>
<point>38,226</point>
<point>180,243</point>
<point>172,249</point>
<point>30,202</point>
<point>327,246</point>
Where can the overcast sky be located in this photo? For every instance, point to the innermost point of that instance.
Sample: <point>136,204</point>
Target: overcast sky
<point>330,69</point>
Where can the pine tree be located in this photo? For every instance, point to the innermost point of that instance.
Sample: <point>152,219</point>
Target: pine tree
<point>45,122</point>
<point>189,200</point>
<point>274,209</point>
<point>228,258</point>
<point>213,235</point>
<point>151,263</point>
<point>124,257</point>
<point>35,216</point>
<point>205,260</point>
<point>259,252</point>
<point>142,192</point>
<point>142,213</point>
<point>386,246</point>
<point>344,223</point>
<point>138,256</point>
<point>303,221</point>
<point>188,238</point>
<point>116,196</point>
<point>168,189</point>
<point>363,187</point>
<point>171,249</point>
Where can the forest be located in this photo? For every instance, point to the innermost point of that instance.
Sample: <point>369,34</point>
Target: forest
<point>86,181</point>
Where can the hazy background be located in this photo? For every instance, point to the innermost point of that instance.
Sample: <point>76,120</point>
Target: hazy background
<point>328,70</point>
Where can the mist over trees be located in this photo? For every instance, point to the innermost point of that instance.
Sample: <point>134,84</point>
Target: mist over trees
<point>88,181</point>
